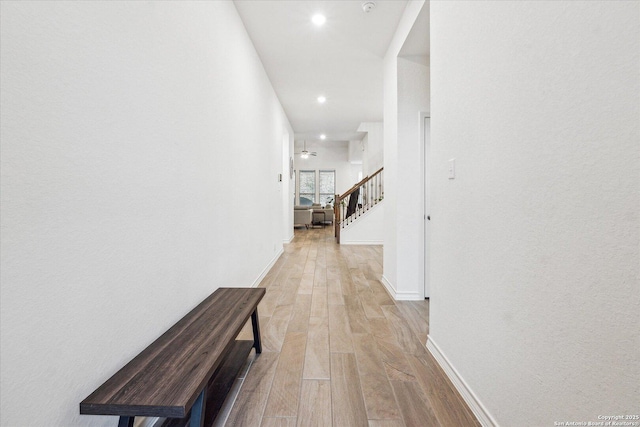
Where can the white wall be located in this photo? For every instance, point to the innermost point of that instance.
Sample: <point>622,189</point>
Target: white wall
<point>413,99</point>
<point>332,155</point>
<point>373,144</point>
<point>137,140</point>
<point>288,186</point>
<point>535,283</point>
<point>389,256</point>
<point>355,152</point>
<point>406,94</point>
<point>367,229</point>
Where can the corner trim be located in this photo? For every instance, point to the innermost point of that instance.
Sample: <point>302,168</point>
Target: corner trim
<point>267,268</point>
<point>399,296</point>
<point>478,409</point>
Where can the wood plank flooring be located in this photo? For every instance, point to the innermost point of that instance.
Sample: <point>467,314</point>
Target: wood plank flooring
<point>338,351</point>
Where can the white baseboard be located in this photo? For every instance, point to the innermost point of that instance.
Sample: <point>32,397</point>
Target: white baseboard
<point>289,240</point>
<point>409,296</point>
<point>388,287</point>
<point>399,296</point>
<point>362,242</point>
<point>478,409</point>
<point>266,269</point>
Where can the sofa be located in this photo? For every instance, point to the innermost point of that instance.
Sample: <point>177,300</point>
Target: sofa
<point>302,216</point>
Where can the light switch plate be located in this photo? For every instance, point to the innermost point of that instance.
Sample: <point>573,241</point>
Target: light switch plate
<point>452,168</point>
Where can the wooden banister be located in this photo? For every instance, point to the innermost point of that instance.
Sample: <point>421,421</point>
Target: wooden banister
<point>359,184</point>
<point>369,192</point>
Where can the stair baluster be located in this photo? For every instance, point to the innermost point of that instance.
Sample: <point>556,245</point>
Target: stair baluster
<point>368,192</point>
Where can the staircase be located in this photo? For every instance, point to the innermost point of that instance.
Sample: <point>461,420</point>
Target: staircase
<point>358,200</point>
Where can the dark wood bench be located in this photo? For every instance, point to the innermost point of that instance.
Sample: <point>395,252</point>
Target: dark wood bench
<point>186,373</point>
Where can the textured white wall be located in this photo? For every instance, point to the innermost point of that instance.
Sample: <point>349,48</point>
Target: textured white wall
<point>137,141</point>
<point>535,285</point>
<point>403,90</point>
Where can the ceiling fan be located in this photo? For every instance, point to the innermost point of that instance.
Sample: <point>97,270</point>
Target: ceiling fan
<point>304,153</point>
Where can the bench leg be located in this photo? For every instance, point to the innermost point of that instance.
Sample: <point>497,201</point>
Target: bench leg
<point>197,410</point>
<point>126,421</point>
<point>257,344</point>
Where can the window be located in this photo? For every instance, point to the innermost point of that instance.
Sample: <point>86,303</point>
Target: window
<point>307,187</point>
<point>327,186</point>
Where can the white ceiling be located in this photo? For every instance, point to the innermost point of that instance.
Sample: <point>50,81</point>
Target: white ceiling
<point>341,60</point>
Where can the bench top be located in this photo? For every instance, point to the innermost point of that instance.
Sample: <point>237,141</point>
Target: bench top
<point>165,379</point>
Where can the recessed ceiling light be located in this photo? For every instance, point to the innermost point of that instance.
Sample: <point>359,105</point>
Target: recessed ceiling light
<point>319,19</point>
<point>322,99</point>
<point>323,136</point>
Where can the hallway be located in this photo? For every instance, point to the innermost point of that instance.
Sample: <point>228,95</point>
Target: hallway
<point>337,350</point>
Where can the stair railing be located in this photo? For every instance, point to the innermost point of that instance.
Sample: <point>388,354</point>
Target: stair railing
<point>358,200</point>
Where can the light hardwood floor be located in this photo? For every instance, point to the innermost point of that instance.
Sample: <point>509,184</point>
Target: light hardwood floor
<point>338,350</point>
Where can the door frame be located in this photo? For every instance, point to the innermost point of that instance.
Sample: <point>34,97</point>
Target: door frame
<point>425,151</point>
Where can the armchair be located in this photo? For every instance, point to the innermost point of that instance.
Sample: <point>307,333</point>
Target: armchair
<point>302,216</point>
